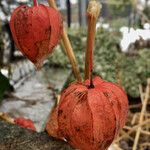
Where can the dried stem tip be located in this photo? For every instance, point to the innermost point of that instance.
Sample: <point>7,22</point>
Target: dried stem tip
<point>94,9</point>
<point>93,12</point>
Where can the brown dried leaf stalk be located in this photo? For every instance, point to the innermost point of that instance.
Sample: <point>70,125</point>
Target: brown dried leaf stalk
<point>132,130</point>
<point>6,117</point>
<point>93,12</point>
<point>147,94</point>
<point>142,131</point>
<point>68,48</point>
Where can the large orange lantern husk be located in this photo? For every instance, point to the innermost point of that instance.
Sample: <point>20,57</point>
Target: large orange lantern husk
<point>36,31</point>
<point>89,118</point>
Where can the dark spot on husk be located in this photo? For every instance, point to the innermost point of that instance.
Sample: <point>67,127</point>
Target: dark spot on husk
<point>77,129</point>
<point>107,94</point>
<point>60,112</point>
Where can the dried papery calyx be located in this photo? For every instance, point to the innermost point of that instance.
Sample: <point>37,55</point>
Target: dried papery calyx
<point>89,118</point>
<point>36,31</point>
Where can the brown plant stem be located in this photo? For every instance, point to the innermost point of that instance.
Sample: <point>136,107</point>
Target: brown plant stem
<point>142,131</point>
<point>93,12</point>
<point>6,117</point>
<point>35,3</point>
<point>68,48</point>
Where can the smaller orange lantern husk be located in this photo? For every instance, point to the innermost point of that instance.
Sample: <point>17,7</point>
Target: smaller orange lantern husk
<point>36,31</point>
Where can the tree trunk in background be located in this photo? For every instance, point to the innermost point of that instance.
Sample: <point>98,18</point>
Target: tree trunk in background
<point>1,54</point>
<point>82,12</point>
<point>68,13</point>
<point>12,51</point>
<point>1,47</point>
<point>1,57</point>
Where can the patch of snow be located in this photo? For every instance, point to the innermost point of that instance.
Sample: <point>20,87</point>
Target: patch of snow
<point>4,72</point>
<point>129,36</point>
<point>111,148</point>
<point>146,26</point>
<point>103,25</point>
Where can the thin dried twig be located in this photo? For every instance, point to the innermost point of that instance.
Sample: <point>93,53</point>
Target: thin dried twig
<point>132,130</point>
<point>142,114</point>
<point>6,117</point>
<point>124,133</point>
<point>142,131</point>
<point>134,119</point>
<point>137,105</point>
<point>141,93</point>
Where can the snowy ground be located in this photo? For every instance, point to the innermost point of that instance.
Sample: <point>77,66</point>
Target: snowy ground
<point>32,99</point>
<point>131,35</point>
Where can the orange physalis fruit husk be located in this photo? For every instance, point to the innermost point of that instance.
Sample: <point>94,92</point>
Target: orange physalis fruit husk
<point>25,123</point>
<point>89,118</point>
<point>36,31</point>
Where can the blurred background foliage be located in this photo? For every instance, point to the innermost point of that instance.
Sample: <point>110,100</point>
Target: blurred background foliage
<point>110,63</point>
